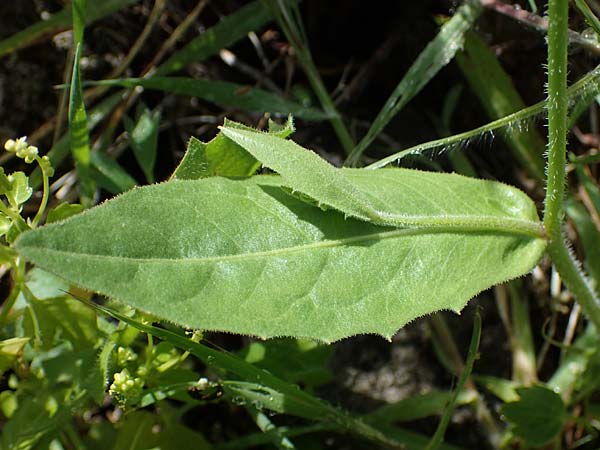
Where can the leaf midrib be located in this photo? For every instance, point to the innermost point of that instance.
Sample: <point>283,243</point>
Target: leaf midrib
<point>525,232</point>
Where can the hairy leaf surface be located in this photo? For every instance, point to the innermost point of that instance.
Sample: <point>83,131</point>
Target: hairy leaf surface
<point>247,257</point>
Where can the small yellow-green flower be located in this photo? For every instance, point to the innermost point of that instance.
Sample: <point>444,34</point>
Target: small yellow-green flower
<point>22,149</point>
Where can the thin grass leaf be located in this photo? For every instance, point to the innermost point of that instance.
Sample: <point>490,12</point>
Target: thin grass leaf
<point>223,93</point>
<point>497,94</point>
<point>78,135</point>
<point>59,21</point>
<point>228,31</point>
<point>416,407</point>
<point>288,18</point>
<point>320,409</point>
<point>110,175</point>
<point>589,15</point>
<point>143,136</point>
<point>438,437</point>
<point>590,186</point>
<point>78,128</point>
<point>585,88</point>
<point>60,150</point>
<point>438,53</point>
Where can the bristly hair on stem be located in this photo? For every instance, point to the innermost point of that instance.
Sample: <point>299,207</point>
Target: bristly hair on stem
<point>558,248</point>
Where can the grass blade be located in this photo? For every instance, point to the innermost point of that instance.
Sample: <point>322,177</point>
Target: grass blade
<point>288,17</point>
<point>78,129</point>
<point>438,437</point>
<point>223,93</point>
<point>438,53</point>
<point>62,20</point>
<point>109,174</point>
<point>235,365</point>
<point>231,29</point>
<point>497,94</point>
<point>587,87</point>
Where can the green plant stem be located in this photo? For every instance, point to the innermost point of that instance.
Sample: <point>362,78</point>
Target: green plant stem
<point>9,212</point>
<point>45,192</point>
<point>564,261</point>
<point>557,116</point>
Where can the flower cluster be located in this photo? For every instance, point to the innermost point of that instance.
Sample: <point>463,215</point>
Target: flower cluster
<point>22,149</point>
<point>125,387</point>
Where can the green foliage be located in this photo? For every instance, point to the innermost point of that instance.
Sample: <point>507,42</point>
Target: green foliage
<point>286,258</point>
<point>225,94</point>
<point>313,252</point>
<point>537,416</point>
<point>144,139</point>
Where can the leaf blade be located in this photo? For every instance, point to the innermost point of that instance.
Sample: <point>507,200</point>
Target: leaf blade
<point>245,257</point>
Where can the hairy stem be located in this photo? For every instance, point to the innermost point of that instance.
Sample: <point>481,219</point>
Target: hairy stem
<point>567,266</point>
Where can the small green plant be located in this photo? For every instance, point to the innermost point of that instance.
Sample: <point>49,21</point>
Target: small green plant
<point>305,251</point>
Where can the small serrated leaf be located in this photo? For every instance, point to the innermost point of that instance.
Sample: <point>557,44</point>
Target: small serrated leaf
<point>538,415</point>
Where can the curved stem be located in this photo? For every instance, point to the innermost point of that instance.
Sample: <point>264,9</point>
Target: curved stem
<point>45,192</point>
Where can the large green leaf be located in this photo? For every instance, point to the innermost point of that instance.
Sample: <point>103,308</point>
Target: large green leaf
<point>245,256</point>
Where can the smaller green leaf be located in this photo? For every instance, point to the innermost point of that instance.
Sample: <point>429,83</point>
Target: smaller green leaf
<point>537,417</point>
<point>144,140</point>
<point>19,191</point>
<point>284,130</point>
<point>63,211</point>
<point>304,171</point>
<point>18,227</point>
<point>222,156</point>
<point>194,164</point>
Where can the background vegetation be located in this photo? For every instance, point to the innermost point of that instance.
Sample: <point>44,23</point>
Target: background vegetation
<point>112,92</point>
